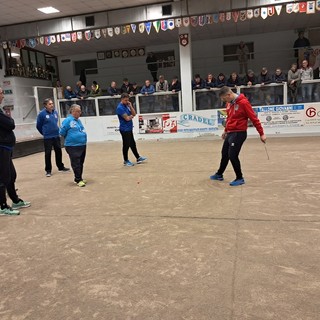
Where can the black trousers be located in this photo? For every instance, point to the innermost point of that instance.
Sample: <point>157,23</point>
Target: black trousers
<point>230,151</point>
<point>128,142</point>
<point>77,156</point>
<point>8,177</point>
<point>54,143</point>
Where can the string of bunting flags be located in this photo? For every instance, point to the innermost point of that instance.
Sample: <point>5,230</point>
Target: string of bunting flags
<point>307,7</point>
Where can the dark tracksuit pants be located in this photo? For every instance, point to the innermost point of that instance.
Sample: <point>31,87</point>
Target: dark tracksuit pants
<point>128,142</point>
<point>54,143</point>
<point>77,156</point>
<point>8,177</point>
<point>230,151</point>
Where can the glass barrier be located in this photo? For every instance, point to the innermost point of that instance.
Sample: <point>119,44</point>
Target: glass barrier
<point>108,105</point>
<point>88,107</point>
<point>159,102</point>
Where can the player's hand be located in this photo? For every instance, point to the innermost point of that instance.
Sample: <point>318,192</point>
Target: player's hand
<point>263,138</point>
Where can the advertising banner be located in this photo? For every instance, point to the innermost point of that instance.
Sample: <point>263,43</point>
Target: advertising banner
<point>198,121</point>
<point>312,115</point>
<point>158,123</point>
<point>281,116</point>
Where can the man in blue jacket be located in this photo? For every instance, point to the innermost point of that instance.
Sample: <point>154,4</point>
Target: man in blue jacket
<point>126,113</point>
<point>47,125</point>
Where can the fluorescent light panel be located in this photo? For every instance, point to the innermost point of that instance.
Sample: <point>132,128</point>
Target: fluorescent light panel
<point>48,10</point>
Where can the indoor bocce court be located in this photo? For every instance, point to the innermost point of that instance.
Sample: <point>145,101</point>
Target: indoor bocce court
<point>161,241</point>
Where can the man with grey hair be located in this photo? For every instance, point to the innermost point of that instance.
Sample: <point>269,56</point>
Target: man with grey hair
<point>8,173</point>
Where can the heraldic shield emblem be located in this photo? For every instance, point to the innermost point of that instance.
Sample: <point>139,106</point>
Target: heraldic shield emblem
<point>184,39</point>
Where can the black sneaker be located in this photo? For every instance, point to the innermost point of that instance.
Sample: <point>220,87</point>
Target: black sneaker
<point>64,169</point>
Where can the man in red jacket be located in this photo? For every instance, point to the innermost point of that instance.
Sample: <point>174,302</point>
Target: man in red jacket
<point>239,110</point>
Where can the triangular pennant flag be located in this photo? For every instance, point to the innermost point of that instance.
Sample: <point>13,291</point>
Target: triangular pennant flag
<point>256,13</point>
<point>278,9</point>
<point>243,15</point>
<point>303,7</point>
<point>148,26</point>
<point>164,25</point>
<point>318,5</point>
<point>209,19</point>
<point>41,40</point>
<point>194,21</point>
<point>202,21</point>
<point>264,13</point>
<point>4,44</point>
<point>170,23</point>
<point>123,30</point>
<point>87,35</point>
<point>289,8</point>
<point>110,32</point>
<point>216,17</point>
<point>97,34</point>
<point>271,11</point>
<point>235,15</point>
<point>104,32</point>
<point>249,14</point>
<point>47,41</point>
<point>141,27</point>
<point>228,16</point>
<point>24,42</point>
<point>156,25</point>
<point>186,21</point>
<point>133,27</point>
<point>53,39</point>
<point>68,37</point>
<point>128,28</point>
<point>311,7</point>
<point>32,43</point>
<point>58,38</point>
<point>74,37</point>
<point>222,17</point>
<point>295,7</point>
<point>79,35</point>
<point>63,37</point>
<point>178,22</point>
<point>117,30</point>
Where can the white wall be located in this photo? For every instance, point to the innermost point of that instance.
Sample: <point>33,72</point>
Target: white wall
<point>271,50</point>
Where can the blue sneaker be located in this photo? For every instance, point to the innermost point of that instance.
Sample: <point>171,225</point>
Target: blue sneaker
<point>128,163</point>
<point>141,159</point>
<point>217,177</point>
<point>237,182</point>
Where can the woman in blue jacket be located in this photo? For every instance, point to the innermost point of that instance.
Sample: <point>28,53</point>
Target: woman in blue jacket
<point>75,142</point>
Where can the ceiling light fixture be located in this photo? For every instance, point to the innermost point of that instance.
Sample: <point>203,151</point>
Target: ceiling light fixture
<point>48,10</point>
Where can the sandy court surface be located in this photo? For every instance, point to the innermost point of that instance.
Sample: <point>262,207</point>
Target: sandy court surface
<point>161,241</point>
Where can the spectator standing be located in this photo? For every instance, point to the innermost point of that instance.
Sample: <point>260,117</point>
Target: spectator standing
<point>8,173</point>
<point>112,90</point>
<point>306,73</point>
<point>301,42</point>
<point>279,77</point>
<point>294,82</point>
<point>242,52</point>
<point>75,142</point>
<point>264,79</point>
<point>152,65</point>
<point>47,125</point>
<point>175,86</point>
<point>162,84</point>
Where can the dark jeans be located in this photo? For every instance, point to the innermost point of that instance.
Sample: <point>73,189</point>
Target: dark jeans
<point>8,177</point>
<point>128,142</point>
<point>77,155</point>
<point>54,143</point>
<point>230,151</point>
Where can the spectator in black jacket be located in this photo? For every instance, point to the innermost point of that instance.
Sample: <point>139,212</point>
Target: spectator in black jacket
<point>264,79</point>
<point>221,80</point>
<point>8,173</point>
<point>112,90</point>
<point>126,86</point>
<point>234,80</point>
<point>175,86</point>
<point>280,78</point>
